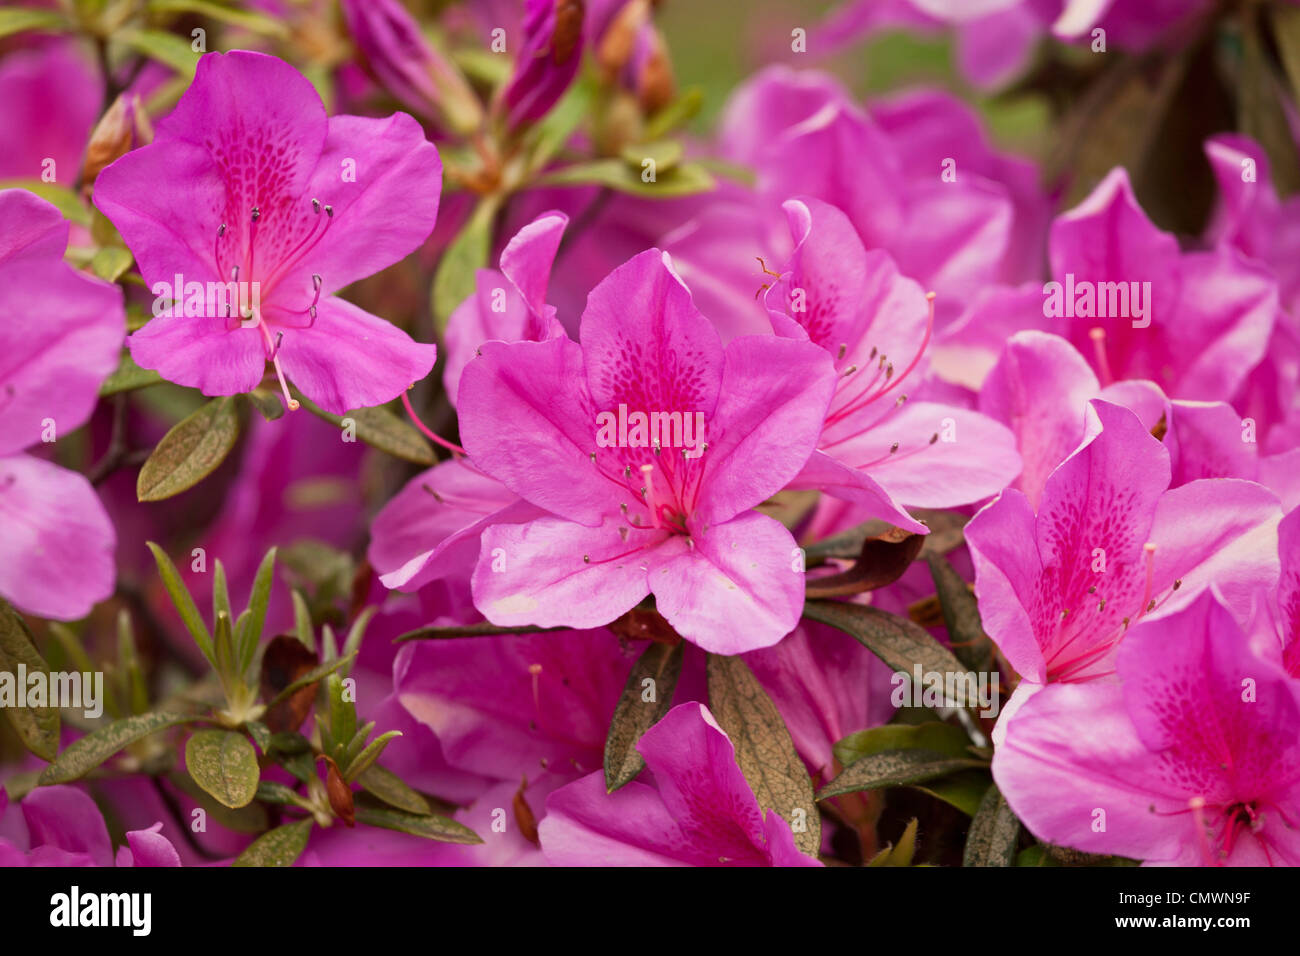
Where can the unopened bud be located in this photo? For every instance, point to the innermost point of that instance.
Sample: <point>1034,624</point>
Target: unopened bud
<point>124,127</point>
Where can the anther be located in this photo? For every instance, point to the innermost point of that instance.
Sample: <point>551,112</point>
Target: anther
<point>893,448</point>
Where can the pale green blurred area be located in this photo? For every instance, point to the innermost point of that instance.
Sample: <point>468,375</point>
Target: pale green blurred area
<point>716,44</point>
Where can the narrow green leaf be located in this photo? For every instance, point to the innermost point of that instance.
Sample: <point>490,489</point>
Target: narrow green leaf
<point>248,20</point>
<point>184,603</point>
<point>258,601</point>
<point>37,727</point>
<point>220,592</point>
<point>357,632</point>
<point>278,847</point>
<point>680,111</point>
<point>391,789</point>
<point>895,768</point>
<point>380,428</point>
<point>311,677</point>
<point>166,48</point>
<point>764,750</point>
<point>369,755</point>
<point>900,854</point>
<point>961,616</point>
<point>665,154</point>
<point>84,755</point>
<point>191,451</point>
<point>128,377</point>
<point>260,733</point>
<point>268,791</point>
<point>302,625</point>
<point>342,713</point>
<point>18,20</point>
<point>431,826</point>
<point>224,764</point>
<point>931,735</point>
<point>688,179</point>
<point>991,840</point>
<point>268,404</point>
<point>661,664</point>
<point>482,629</point>
<point>900,643</point>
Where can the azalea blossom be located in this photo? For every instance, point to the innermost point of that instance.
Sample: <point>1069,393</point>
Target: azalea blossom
<point>625,522</point>
<point>1189,759</point>
<point>699,812</point>
<point>60,336</point>
<point>248,181</point>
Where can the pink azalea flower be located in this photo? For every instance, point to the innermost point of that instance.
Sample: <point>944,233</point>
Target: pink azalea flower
<point>953,227</point>
<point>1288,591</point>
<point>1192,758</point>
<point>624,521</point>
<point>249,181</point>
<point>63,827</point>
<point>699,812</point>
<point>1251,218</point>
<point>50,97</point>
<point>878,448</point>
<point>1109,544</point>
<point>60,337</point>
<point>1040,389</point>
<point>431,528</point>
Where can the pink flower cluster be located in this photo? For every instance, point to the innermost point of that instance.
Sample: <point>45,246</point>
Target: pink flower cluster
<point>892,321</point>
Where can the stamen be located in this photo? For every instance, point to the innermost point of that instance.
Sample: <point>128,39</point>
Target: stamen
<point>1150,549</point>
<point>274,358</point>
<point>1098,336</point>
<point>651,502</point>
<point>436,439</point>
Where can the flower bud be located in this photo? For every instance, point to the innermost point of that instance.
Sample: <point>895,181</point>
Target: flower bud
<point>122,128</point>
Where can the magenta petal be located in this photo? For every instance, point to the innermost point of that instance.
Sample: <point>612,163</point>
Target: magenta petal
<point>739,588</point>
<point>150,848</point>
<point>527,258</point>
<point>351,359</point>
<point>34,229</point>
<point>64,818</point>
<point>56,554</point>
<point>551,572</point>
<point>773,400</point>
<point>824,473</point>
<point>61,337</point>
<point>380,216</point>
<point>1007,573</point>
<point>586,826</point>
<point>1040,389</point>
<point>201,353</point>
<point>1072,751</point>
<point>524,421</point>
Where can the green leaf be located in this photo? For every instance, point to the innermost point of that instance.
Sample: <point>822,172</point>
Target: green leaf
<point>166,48</point>
<point>224,764</point>
<point>37,727</point>
<point>311,677</point>
<point>991,840</point>
<point>662,664</point>
<point>84,755</point>
<point>677,113</point>
<point>558,126</point>
<point>963,790</point>
<point>1260,113</point>
<point>380,428</point>
<point>220,592</point>
<point>302,621</point>
<point>128,377</point>
<point>367,757</point>
<point>934,735</point>
<point>278,847</point>
<point>481,629</point>
<point>900,854</point>
<point>260,733</point>
<point>190,452</point>
<point>895,768</point>
<point>258,601</point>
<point>268,404</point>
<point>253,22</point>
<point>688,179</point>
<point>268,791</point>
<point>764,750</point>
<point>431,826</point>
<point>180,596</point>
<point>897,641</point>
<point>391,789</point>
<point>665,154</point>
<point>17,20</point>
<point>961,616</point>
<point>110,262</point>
<point>250,819</point>
<point>342,713</point>
<point>453,283</point>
